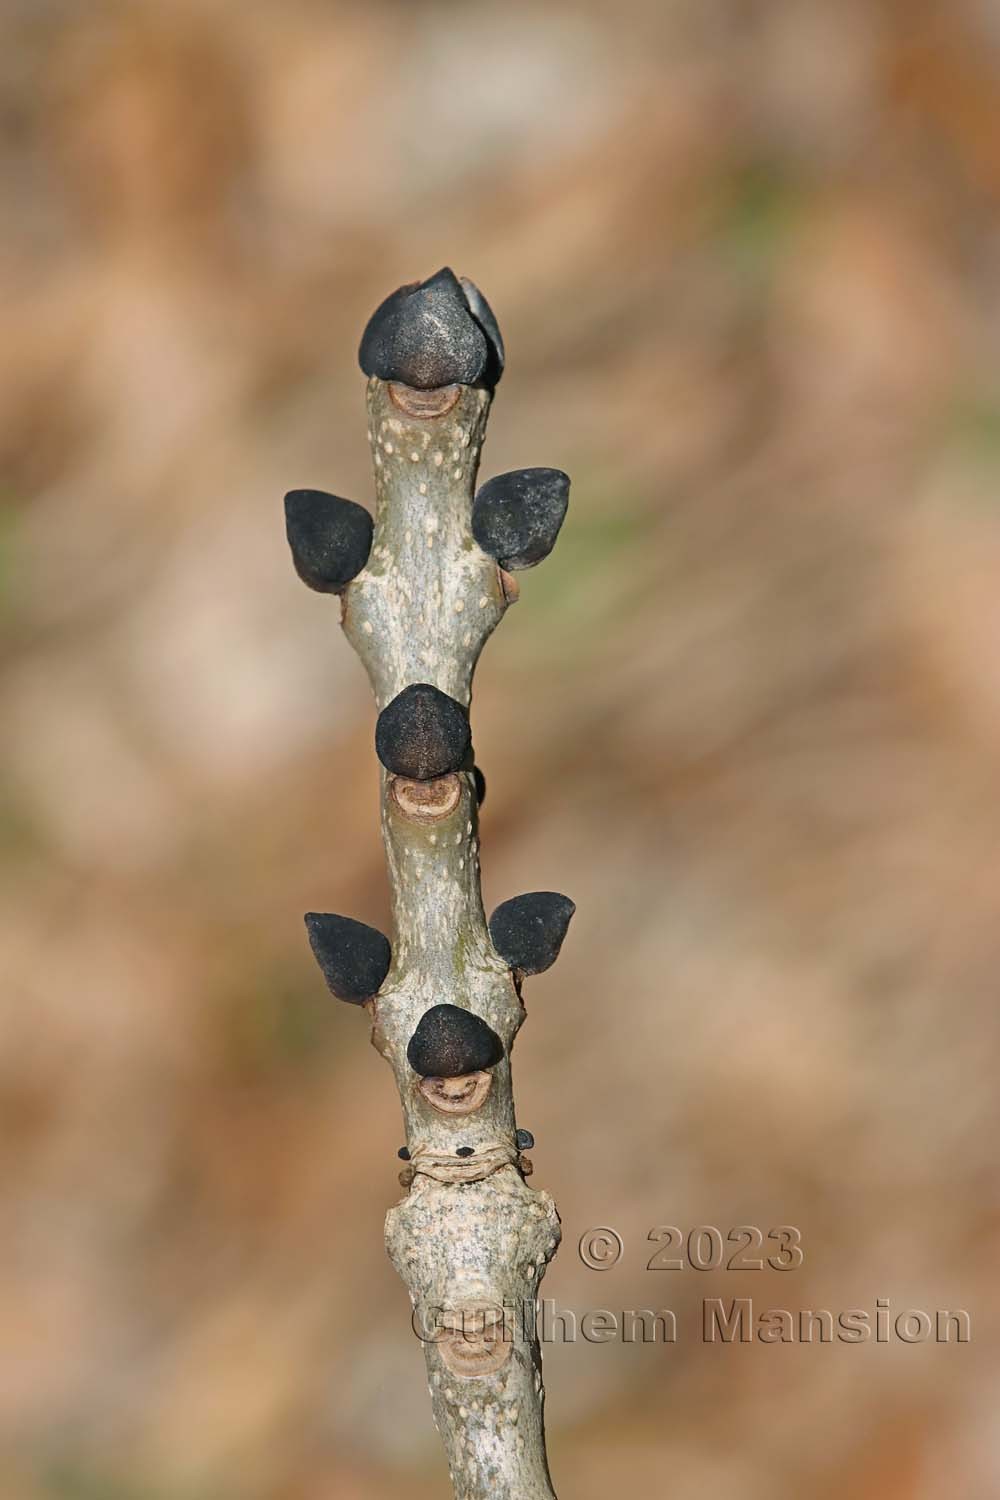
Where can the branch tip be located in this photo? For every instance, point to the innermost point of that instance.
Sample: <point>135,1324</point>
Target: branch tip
<point>434,333</point>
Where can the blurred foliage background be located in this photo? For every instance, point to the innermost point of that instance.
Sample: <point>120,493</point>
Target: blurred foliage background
<point>746,257</point>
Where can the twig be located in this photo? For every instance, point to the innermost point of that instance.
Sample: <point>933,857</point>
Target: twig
<point>421,592</point>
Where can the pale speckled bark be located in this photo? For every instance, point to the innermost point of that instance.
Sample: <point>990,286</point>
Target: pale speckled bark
<point>471,1240</point>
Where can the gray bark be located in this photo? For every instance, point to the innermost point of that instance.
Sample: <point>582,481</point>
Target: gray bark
<point>470,1239</point>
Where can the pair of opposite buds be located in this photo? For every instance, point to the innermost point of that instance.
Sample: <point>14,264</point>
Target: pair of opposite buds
<point>515,519</point>
<point>449,1042</point>
<point>452,1050</point>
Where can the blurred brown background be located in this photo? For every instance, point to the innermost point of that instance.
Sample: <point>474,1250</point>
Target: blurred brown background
<point>746,258</point>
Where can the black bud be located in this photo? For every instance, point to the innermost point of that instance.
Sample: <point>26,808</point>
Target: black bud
<point>354,958</point>
<point>433,333</point>
<point>516,517</point>
<point>483,314</point>
<point>525,1140</point>
<point>449,1043</point>
<point>465,1151</point>
<point>403,1153</point>
<point>330,538</point>
<point>422,733</point>
<point>528,930</point>
<point>480,781</point>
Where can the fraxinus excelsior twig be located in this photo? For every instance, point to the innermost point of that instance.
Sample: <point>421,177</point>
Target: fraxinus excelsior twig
<point>421,590</point>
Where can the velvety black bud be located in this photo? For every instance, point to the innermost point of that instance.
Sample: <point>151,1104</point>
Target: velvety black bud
<point>465,1151</point>
<point>403,1153</point>
<point>525,1140</point>
<point>528,930</point>
<point>422,733</point>
<point>433,333</point>
<point>354,958</point>
<point>449,1043</point>
<point>480,781</point>
<point>330,538</point>
<point>516,517</point>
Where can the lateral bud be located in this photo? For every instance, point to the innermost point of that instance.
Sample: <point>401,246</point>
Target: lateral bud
<point>353,957</point>
<point>450,1042</point>
<point>330,538</point>
<point>528,930</point>
<point>516,517</point>
<point>422,733</point>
